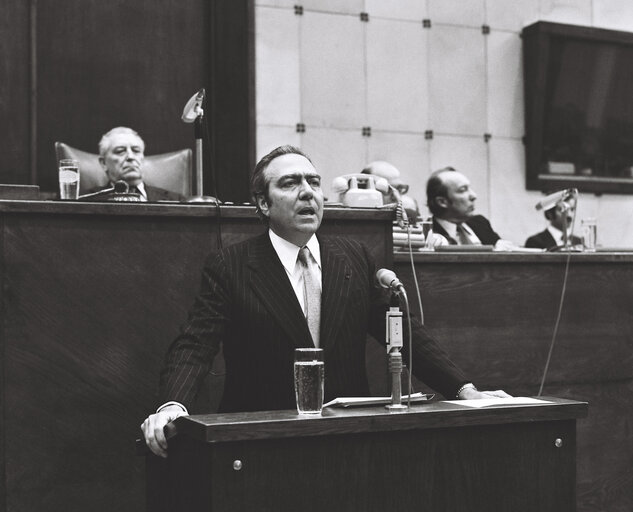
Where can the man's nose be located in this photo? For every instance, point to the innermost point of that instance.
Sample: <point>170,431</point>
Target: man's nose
<point>305,191</point>
<point>473,195</point>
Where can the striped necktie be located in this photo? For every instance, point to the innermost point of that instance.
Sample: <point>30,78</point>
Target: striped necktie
<point>311,295</point>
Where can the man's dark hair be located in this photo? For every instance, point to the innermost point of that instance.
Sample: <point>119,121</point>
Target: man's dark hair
<point>435,187</point>
<point>258,184</point>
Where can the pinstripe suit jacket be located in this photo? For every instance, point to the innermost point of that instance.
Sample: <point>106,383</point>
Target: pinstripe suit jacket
<point>247,303</point>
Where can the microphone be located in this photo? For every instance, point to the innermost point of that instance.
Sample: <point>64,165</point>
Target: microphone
<point>193,108</point>
<point>553,199</point>
<point>388,279</point>
<point>120,187</point>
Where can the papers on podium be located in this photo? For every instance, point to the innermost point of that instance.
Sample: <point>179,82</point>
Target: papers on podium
<point>511,401</point>
<point>374,400</point>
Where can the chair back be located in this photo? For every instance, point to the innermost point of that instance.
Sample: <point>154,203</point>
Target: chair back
<point>170,171</point>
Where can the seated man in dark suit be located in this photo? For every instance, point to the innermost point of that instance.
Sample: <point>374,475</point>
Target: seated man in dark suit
<point>558,216</point>
<point>451,200</point>
<point>253,303</point>
<point>121,155</point>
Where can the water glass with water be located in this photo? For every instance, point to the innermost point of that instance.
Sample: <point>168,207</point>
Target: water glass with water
<point>309,372</point>
<point>68,179</point>
<point>589,234</point>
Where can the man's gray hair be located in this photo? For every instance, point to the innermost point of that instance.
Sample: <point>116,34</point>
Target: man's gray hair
<point>104,143</point>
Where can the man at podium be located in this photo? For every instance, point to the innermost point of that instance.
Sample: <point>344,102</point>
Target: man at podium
<point>254,299</point>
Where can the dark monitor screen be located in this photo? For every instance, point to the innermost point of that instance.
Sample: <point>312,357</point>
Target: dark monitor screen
<point>589,107</point>
<point>579,103</point>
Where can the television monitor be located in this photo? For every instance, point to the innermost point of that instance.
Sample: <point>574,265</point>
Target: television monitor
<point>578,108</point>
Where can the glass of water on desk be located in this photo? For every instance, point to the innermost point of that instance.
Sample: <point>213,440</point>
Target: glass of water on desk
<point>309,374</point>
<point>68,179</point>
<point>589,234</point>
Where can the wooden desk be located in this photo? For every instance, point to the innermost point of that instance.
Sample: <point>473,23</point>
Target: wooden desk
<point>437,456</point>
<point>92,295</point>
<point>495,314</point>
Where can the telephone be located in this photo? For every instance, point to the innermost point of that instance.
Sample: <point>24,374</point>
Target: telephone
<point>361,190</point>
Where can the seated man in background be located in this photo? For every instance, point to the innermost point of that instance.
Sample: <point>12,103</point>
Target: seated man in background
<point>121,155</point>
<point>451,200</point>
<point>552,236</point>
<point>398,189</point>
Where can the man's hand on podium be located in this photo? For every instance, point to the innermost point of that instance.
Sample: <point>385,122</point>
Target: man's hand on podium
<point>153,428</point>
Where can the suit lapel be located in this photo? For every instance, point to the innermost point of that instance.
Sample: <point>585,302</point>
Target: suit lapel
<point>336,278</point>
<point>439,229</point>
<point>270,283</point>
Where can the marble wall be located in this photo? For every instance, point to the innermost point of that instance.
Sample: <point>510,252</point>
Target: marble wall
<point>325,69</point>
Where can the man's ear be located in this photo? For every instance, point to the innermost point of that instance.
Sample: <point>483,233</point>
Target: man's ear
<point>262,204</point>
<point>102,163</point>
<point>441,201</point>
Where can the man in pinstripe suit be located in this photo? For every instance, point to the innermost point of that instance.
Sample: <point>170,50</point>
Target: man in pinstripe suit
<point>251,302</point>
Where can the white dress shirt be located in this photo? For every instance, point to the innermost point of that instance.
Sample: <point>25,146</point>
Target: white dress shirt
<point>451,230</point>
<point>288,254</point>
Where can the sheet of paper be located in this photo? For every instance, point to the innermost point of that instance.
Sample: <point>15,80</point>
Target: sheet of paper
<point>487,402</point>
<point>349,401</point>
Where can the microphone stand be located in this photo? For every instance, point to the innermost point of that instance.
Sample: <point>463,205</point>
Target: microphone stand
<point>394,345</point>
<point>199,196</point>
<point>566,247</point>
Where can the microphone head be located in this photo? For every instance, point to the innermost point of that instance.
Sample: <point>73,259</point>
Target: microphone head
<point>553,199</point>
<point>121,187</point>
<point>193,107</point>
<point>386,277</point>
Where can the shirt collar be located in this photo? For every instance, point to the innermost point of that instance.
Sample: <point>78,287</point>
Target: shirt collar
<point>141,189</point>
<point>556,233</point>
<point>451,227</point>
<point>288,252</point>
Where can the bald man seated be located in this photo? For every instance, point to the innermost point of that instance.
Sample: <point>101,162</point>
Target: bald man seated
<point>397,187</point>
<point>451,200</point>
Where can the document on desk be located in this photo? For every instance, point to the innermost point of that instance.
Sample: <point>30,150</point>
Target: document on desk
<point>379,400</point>
<point>489,402</point>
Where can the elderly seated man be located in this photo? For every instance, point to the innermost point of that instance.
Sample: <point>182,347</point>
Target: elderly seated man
<point>121,155</point>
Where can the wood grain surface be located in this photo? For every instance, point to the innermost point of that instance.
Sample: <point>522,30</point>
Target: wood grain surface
<point>496,313</point>
<point>92,295</point>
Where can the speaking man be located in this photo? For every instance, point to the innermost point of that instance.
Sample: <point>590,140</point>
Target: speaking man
<point>253,302</point>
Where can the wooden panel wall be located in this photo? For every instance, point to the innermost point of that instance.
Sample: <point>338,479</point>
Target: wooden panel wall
<point>91,296</point>
<point>495,314</point>
<point>94,65</point>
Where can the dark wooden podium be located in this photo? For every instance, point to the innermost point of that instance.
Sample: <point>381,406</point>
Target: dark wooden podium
<point>438,457</point>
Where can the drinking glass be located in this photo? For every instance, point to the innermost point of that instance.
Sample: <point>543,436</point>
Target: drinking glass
<point>309,373</point>
<point>589,234</point>
<point>68,178</point>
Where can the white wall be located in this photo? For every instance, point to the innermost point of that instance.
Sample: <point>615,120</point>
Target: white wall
<point>336,74</point>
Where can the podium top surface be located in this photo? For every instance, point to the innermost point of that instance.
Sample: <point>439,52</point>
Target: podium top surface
<point>214,428</point>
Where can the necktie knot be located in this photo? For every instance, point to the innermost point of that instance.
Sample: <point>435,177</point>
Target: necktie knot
<point>304,256</point>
